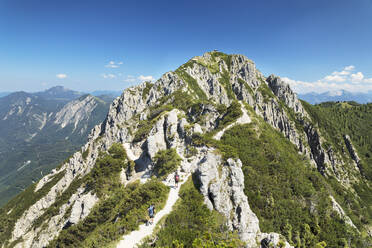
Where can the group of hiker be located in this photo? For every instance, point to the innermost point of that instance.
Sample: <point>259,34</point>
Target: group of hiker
<point>151,209</point>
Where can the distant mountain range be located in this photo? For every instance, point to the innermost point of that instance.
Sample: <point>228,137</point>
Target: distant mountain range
<point>64,93</point>
<point>4,94</point>
<point>39,130</point>
<point>341,95</point>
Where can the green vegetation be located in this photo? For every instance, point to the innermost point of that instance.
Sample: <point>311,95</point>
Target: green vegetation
<point>192,224</point>
<point>47,149</point>
<point>225,81</point>
<point>120,209</point>
<point>225,57</point>
<point>18,205</point>
<point>230,115</point>
<point>281,187</point>
<point>192,83</point>
<point>166,162</point>
<point>120,212</point>
<point>146,90</point>
<point>336,120</point>
<point>213,65</point>
<point>265,91</point>
<point>62,199</point>
<point>104,176</point>
<point>242,82</point>
<point>183,101</point>
<point>179,99</point>
<point>145,126</point>
<point>286,193</point>
<point>233,112</point>
<point>85,154</point>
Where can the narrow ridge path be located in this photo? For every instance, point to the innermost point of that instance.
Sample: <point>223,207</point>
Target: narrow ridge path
<point>134,238</point>
<point>244,119</point>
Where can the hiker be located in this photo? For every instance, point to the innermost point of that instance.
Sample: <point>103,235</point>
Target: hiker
<point>265,243</point>
<point>151,211</point>
<point>176,179</point>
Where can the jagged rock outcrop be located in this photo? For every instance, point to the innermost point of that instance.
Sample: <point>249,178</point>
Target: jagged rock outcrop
<point>282,90</point>
<point>310,143</point>
<point>82,207</point>
<point>338,209</point>
<point>74,168</point>
<point>222,186</point>
<point>353,154</point>
<point>79,204</point>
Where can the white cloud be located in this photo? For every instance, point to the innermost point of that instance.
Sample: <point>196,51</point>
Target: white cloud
<point>108,76</point>
<point>61,76</point>
<point>368,80</point>
<point>335,78</point>
<point>130,79</point>
<point>340,76</point>
<point>113,64</point>
<point>145,78</point>
<point>357,77</point>
<point>337,81</point>
<point>349,68</point>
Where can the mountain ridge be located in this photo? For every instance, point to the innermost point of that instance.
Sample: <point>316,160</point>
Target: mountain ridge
<point>176,119</point>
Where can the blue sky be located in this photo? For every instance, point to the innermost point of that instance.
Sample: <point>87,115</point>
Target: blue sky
<point>110,45</point>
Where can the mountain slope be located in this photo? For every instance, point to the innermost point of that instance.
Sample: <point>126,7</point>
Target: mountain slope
<point>275,175</point>
<point>39,130</point>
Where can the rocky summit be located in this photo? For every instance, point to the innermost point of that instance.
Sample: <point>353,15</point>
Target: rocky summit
<point>257,166</point>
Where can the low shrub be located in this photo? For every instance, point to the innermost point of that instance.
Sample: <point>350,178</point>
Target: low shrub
<point>166,162</point>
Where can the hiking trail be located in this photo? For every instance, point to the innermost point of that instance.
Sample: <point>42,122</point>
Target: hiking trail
<point>134,238</point>
<point>244,119</point>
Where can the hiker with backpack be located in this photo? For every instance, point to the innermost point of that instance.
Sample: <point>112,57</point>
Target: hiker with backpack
<point>151,211</point>
<point>176,179</point>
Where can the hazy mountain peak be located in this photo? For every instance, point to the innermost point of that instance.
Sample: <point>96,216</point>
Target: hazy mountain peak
<point>60,93</point>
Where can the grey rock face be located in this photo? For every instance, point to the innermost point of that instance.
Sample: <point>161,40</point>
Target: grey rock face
<point>328,163</point>
<point>285,93</point>
<point>82,207</point>
<point>309,143</point>
<point>75,111</point>
<point>353,154</point>
<point>222,186</point>
<point>338,209</point>
<point>318,153</point>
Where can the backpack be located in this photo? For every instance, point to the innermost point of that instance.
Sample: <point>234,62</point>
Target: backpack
<point>151,210</point>
<point>265,243</point>
<point>177,178</point>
